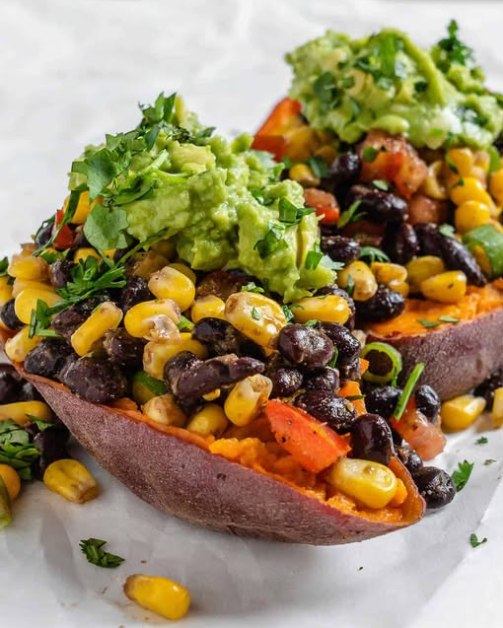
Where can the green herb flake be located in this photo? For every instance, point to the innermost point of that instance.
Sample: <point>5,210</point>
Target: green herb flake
<point>374,254</point>
<point>325,89</point>
<point>318,166</point>
<point>453,50</point>
<point>380,184</point>
<point>4,264</point>
<point>288,313</point>
<point>474,541</point>
<point>447,230</point>
<point>462,474</point>
<point>350,215</point>
<point>16,448</point>
<point>96,555</point>
<point>483,440</point>
<point>271,242</point>
<point>251,286</point>
<point>428,324</point>
<point>89,277</point>
<point>311,323</point>
<point>185,324</point>
<point>494,159</point>
<point>369,153</point>
<point>489,461</point>
<point>255,314</point>
<point>105,228</point>
<point>453,320</point>
<point>313,259</point>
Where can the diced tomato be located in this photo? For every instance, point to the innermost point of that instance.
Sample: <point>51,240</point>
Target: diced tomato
<point>271,135</point>
<point>65,237</point>
<point>324,203</point>
<point>313,444</point>
<point>395,160</point>
<point>425,437</point>
<point>424,209</point>
<point>352,389</point>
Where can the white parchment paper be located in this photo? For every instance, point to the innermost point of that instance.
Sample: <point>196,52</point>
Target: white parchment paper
<point>72,70</point>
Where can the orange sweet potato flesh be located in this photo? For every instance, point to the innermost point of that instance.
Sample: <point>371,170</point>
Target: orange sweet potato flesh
<point>457,357</point>
<point>174,471</point>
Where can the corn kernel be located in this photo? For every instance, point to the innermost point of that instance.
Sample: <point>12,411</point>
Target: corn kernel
<point>157,353</point>
<point>6,290</point>
<point>18,347</point>
<point>303,174</point>
<point>28,267</point>
<point>301,143</point>
<point>370,483</point>
<point>146,264</point>
<point>402,287</point>
<point>327,152</point>
<point>209,306</point>
<point>159,595</point>
<point>166,248</point>
<point>384,272</point>
<point>26,302</point>
<point>434,186</point>
<point>497,412</point>
<point>459,413</point>
<point>164,409</point>
<point>482,160</point>
<point>329,308</point>
<point>422,268</point>
<point>20,411</point>
<point>185,270</point>
<point>214,394</point>
<point>11,480</point>
<point>247,399</point>
<point>400,496</point>
<point>256,316</point>
<point>210,421</point>
<point>22,284</point>
<point>151,319</point>
<point>471,190</point>
<point>471,214</point>
<point>448,287</point>
<point>70,479</point>
<point>496,186</point>
<point>104,317</point>
<point>360,275</point>
<point>169,283</point>
<point>83,209</point>
<point>462,159</point>
<point>83,253</point>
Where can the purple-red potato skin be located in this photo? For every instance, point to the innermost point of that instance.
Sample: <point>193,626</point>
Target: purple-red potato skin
<point>185,480</point>
<point>457,357</point>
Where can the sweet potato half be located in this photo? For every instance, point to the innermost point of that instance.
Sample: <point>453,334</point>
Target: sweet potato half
<point>174,471</point>
<point>457,355</point>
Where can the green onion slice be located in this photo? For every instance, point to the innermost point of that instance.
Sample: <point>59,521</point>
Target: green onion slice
<point>403,400</point>
<point>385,362</point>
<point>490,240</point>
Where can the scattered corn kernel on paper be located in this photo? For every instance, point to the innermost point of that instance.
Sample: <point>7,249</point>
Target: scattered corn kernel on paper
<point>74,70</point>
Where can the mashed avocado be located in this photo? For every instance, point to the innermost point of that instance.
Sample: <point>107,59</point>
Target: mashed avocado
<point>221,203</point>
<point>387,82</point>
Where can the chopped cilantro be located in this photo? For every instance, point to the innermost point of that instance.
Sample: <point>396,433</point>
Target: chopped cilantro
<point>16,449</point>
<point>374,254</point>
<point>289,213</point>
<point>40,320</point>
<point>453,50</point>
<point>350,215</point>
<point>474,541</point>
<point>4,264</point>
<point>447,230</point>
<point>255,314</point>
<point>380,184</point>
<point>105,228</point>
<point>318,166</point>
<point>251,286</point>
<point>288,313</point>
<point>462,474</point>
<point>271,242</point>
<point>313,258</point>
<point>449,319</point>
<point>428,324</point>
<point>489,461</point>
<point>369,153</point>
<point>185,324</point>
<point>326,90</point>
<point>96,555</point>
<point>482,440</point>
<point>90,277</point>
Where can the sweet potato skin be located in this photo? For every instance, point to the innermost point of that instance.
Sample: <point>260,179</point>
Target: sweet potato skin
<point>183,479</point>
<point>457,357</point>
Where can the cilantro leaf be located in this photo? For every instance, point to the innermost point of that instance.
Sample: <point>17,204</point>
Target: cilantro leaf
<point>474,541</point>
<point>452,50</point>
<point>255,314</point>
<point>4,264</point>
<point>185,324</point>
<point>251,286</point>
<point>462,474</point>
<point>16,449</point>
<point>373,254</point>
<point>489,461</point>
<point>289,213</point>
<point>313,259</point>
<point>318,166</point>
<point>89,277</point>
<point>288,313</point>
<point>271,242</point>
<point>105,228</point>
<point>350,215</point>
<point>447,230</point>
<point>369,153</point>
<point>483,440</point>
<point>96,555</point>
<point>325,89</point>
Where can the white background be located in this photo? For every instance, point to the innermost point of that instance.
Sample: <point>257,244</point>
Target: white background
<point>70,71</point>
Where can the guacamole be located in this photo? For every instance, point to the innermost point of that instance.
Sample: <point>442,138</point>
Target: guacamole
<point>386,82</point>
<point>221,203</point>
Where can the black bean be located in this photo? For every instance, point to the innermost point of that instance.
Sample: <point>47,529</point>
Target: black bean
<point>487,388</point>
<point>190,378</point>
<point>334,289</point>
<point>218,335</point>
<point>44,233</point>
<point>52,445</point>
<point>371,439</point>
<point>324,379</point>
<point>123,349</point>
<point>79,239</point>
<point>427,402</point>
<point>60,273</point>
<point>308,347</point>
<point>385,304</point>
<point>435,486</point>
<point>286,380</point>
<point>344,170</point>
<point>221,283</point>
<point>95,380</point>
<point>400,242</point>
<point>379,206</point>
<point>134,292</point>
<point>48,358</point>
<point>383,400</point>
<point>348,347</point>
<point>429,238</point>
<point>69,319</point>
<point>410,458</point>
<point>457,257</point>
<point>9,317</point>
<point>10,384</point>
<point>337,412</point>
<point>340,249</point>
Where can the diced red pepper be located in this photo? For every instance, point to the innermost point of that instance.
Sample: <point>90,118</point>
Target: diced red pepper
<point>65,238</point>
<point>324,203</point>
<point>313,444</point>
<point>425,437</point>
<point>352,390</point>
<point>271,135</point>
